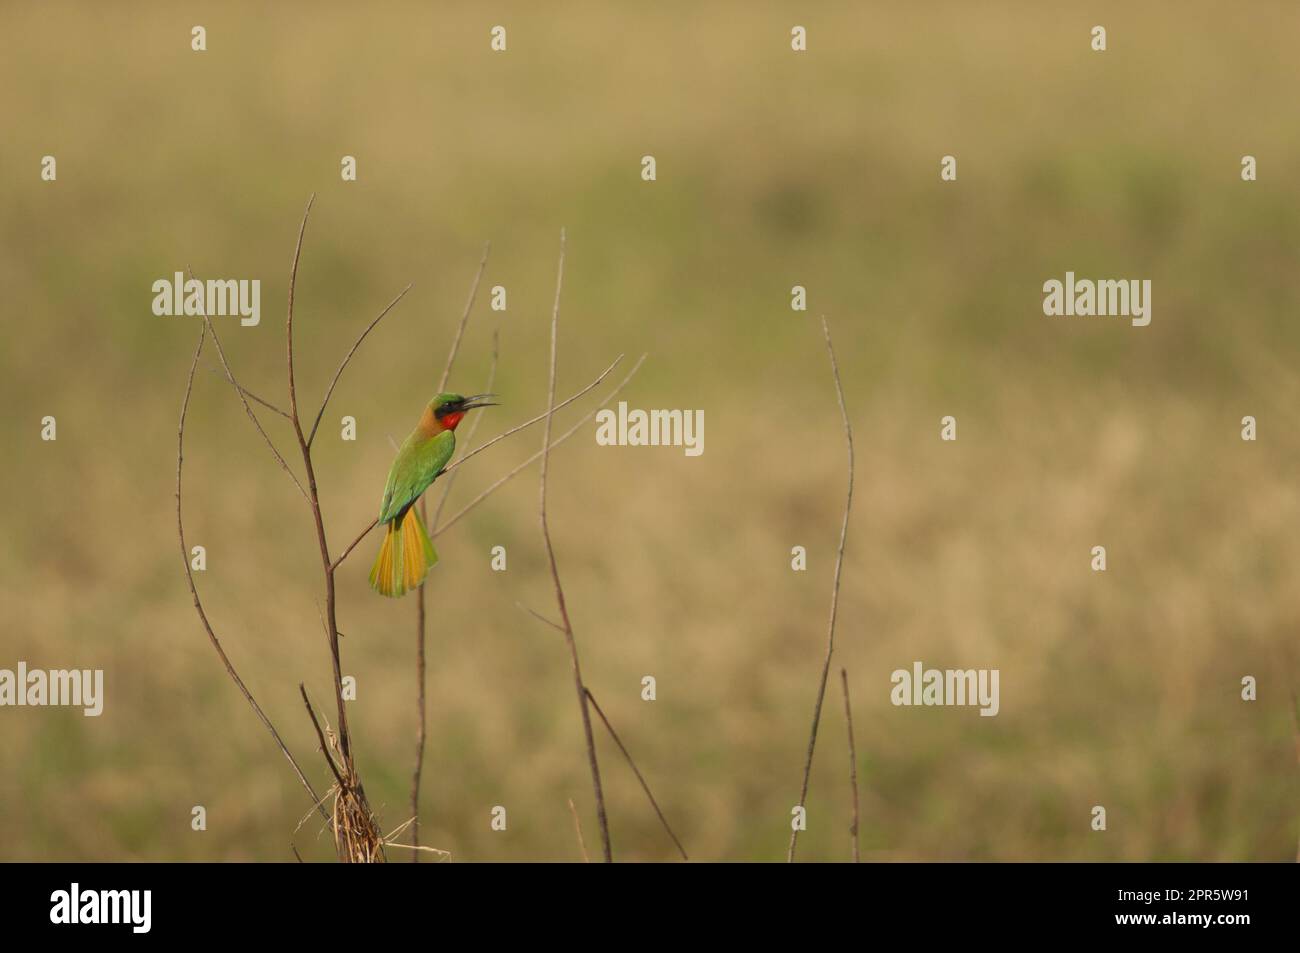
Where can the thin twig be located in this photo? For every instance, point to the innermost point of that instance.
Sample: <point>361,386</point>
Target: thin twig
<point>230,376</point>
<point>853,763</point>
<point>541,618</point>
<point>464,510</point>
<point>555,575</point>
<point>420,627</point>
<point>577,826</point>
<point>835,590</point>
<point>353,545</point>
<point>253,397</point>
<point>348,357</point>
<point>637,771</point>
<point>293,287</point>
<point>482,496</point>
<point>464,319</point>
<point>421,717</point>
<point>198,605</point>
<point>449,479</point>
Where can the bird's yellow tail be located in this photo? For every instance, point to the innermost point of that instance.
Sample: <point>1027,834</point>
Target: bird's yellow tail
<point>405,556</point>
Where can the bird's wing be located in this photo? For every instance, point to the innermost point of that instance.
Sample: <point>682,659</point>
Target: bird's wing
<point>417,465</point>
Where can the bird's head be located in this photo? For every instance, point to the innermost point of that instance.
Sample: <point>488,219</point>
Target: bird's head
<point>448,409</point>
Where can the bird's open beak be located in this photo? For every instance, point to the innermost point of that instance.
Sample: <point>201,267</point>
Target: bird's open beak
<point>478,400</point>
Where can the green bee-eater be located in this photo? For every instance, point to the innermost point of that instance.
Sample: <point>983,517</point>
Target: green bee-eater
<point>407,552</point>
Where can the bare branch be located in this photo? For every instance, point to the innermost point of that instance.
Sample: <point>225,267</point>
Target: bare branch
<point>198,604</point>
<point>555,574</point>
<point>637,771</point>
<point>835,588</point>
<point>339,373</point>
<point>356,832</point>
<point>853,763</point>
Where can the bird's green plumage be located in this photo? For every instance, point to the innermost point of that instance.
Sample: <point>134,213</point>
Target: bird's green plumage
<point>419,461</point>
<point>406,552</point>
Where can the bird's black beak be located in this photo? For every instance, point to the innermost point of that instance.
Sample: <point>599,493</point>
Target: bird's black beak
<point>478,400</point>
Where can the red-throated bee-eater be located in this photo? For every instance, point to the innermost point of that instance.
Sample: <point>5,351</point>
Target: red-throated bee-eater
<point>407,552</point>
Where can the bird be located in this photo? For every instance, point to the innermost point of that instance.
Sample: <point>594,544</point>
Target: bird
<point>407,553</point>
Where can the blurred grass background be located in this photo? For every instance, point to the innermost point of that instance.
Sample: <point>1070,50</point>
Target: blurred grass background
<point>774,169</point>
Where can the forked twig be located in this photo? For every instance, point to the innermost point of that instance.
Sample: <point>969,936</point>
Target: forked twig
<point>355,828</point>
<point>555,575</point>
<point>348,357</point>
<point>835,590</point>
<point>253,397</point>
<point>313,501</point>
<point>198,604</point>
<point>637,771</point>
<point>241,391</point>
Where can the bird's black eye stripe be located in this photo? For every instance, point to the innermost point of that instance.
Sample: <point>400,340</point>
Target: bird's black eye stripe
<point>447,408</point>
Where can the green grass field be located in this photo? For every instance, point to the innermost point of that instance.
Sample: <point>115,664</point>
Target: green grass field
<point>775,168</point>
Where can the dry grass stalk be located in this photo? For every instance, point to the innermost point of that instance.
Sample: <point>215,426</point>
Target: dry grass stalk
<point>835,589</point>
<point>577,827</point>
<point>853,763</point>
